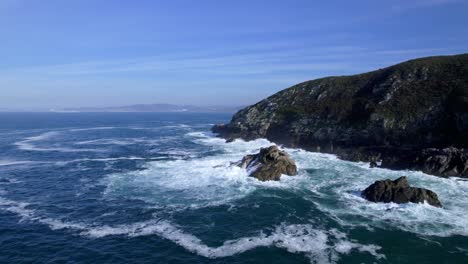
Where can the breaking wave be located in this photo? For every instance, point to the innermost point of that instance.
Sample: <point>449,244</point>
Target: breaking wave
<point>319,245</point>
<point>173,178</point>
<point>212,180</point>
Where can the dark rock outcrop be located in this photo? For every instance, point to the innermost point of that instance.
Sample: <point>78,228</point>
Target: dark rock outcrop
<point>445,162</point>
<point>269,164</point>
<point>399,191</point>
<point>389,114</point>
<point>442,162</point>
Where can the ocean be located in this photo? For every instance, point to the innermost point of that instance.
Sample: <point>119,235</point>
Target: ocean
<point>159,188</point>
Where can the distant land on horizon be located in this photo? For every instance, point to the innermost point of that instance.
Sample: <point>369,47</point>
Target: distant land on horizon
<point>137,108</point>
<point>155,108</point>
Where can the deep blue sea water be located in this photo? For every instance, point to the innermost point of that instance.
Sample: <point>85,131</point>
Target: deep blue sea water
<point>158,188</point>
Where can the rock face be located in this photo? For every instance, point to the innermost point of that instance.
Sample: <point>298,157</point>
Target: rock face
<point>399,191</point>
<point>269,164</point>
<point>388,113</point>
<point>442,162</point>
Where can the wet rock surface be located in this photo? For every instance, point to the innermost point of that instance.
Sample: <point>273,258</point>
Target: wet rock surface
<point>269,164</point>
<point>442,162</point>
<point>399,191</point>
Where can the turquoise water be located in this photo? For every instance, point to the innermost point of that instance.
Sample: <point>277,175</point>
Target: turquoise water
<point>158,188</point>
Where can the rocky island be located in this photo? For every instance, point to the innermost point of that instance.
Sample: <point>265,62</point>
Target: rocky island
<point>269,164</point>
<point>413,115</point>
<point>399,191</point>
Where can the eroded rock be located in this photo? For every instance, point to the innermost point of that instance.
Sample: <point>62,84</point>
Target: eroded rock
<point>442,162</point>
<point>269,164</point>
<point>399,191</point>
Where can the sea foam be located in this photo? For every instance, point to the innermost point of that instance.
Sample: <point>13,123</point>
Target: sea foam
<point>342,182</point>
<point>211,180</point>
<point>28,144</point>
<point>319,245</point>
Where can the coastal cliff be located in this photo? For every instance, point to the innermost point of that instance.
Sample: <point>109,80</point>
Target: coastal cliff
<point>397,115</point>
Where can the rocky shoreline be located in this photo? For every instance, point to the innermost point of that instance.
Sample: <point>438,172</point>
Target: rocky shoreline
<point>270,163</point>
<point>413,115</point>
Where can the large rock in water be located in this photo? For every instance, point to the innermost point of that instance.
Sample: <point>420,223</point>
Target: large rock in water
<point>399,191</point>
<point>405,108</point>
<point>269,164</point>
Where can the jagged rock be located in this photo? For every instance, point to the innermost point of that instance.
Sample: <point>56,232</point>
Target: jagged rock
<point>442,162</point>
<point>269,164</point>
<point>399,191</point>
<point>391,112</point>
<point>218,128</point>
<point>373,162</point>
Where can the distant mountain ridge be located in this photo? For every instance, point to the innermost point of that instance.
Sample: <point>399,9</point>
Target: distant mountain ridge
<point>155,108</point>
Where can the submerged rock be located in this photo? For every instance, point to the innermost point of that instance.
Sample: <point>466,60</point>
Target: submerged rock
<point>269,164</point>
<point>399,191</point>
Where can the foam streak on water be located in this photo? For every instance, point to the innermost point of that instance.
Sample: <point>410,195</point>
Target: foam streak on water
<point>28,144</point>
<point>294,238</point>
<point>321,246</point>
<point>343,181</point>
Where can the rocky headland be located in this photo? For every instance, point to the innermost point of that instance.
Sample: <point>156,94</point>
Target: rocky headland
<point>413,115</point>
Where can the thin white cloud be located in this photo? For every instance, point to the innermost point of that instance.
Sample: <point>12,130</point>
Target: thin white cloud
<point>320,59</point>
<point>250,63</point>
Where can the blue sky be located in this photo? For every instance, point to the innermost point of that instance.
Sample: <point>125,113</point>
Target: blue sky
<point>57,53</point>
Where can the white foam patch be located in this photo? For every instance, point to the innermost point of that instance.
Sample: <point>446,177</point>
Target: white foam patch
<point>201,182</point>
<point>320,246</point>
<point>175,153</point>
<point>20,209</point>
<point>92,128</point>
<point>121,142</point>
<point>28,144</point>
<point>61,163</point>
<point>238,147</point>
<point>341,182</point>
<point>176,126</point>
<point>463,250</point>
<point>65,162</point>
<point>211,181</point>
<point>194,183</point>
<point>15,162</point>
<point>124,141</point>
<point>9,181</point>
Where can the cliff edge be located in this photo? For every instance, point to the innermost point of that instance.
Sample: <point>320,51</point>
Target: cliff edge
<point>392,114</point>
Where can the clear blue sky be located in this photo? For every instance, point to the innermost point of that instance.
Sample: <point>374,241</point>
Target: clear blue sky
<point>62,53</point>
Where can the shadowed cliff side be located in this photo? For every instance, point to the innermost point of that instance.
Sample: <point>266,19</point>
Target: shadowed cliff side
<point>391,114</point>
